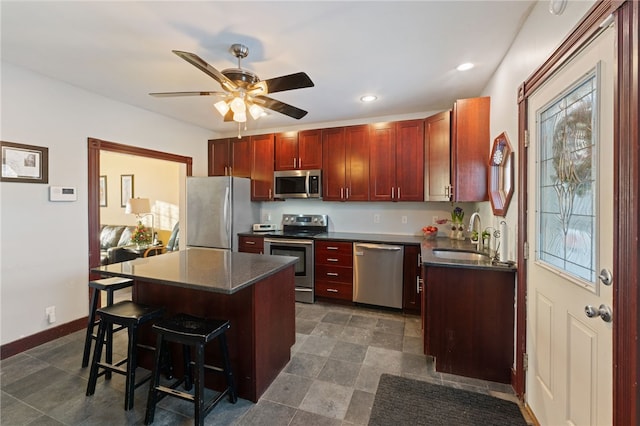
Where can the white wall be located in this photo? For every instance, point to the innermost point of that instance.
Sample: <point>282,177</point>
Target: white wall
<point>44,245</point>
<point>540,35</point>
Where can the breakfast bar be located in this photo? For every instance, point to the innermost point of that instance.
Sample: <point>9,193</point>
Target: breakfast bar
<point>254,292</point>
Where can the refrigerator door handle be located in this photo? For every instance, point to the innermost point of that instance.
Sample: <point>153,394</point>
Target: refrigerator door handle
<point>226,210</point>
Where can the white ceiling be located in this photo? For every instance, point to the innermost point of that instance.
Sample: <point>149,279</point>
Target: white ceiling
<point>403,52</point>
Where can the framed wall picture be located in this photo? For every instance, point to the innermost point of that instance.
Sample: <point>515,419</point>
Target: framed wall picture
<point>24,163</point>
<point>103,191</point>
<point>126,189</point>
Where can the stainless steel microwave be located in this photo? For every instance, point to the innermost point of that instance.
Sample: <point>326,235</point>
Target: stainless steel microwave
<point>297,183</point>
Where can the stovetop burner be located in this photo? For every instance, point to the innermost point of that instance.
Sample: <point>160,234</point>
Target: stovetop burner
<point>302,225</point>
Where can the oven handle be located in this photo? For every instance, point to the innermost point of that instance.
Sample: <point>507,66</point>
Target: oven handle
<point>286,241</point>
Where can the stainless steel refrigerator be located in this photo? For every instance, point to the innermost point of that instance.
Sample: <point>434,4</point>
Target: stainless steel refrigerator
<point>218,207</point>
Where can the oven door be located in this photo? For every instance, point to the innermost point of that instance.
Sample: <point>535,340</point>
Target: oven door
<point>303,250</point>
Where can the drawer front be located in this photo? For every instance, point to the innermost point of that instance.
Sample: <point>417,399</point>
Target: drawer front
<point>251,244</point>
<point>334,259</point>
<point>334,290</point>
<point>333,248</point>
<point>334,273</point>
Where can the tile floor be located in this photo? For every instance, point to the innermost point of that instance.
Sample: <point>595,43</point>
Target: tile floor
<point>339,355</point>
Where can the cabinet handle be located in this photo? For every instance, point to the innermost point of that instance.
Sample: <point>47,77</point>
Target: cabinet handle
<point>398,193</point>
<point>347,190</point>
<point>332,290</point>
<point>250,242</point>
<point>230,170</point>
<point>299,162</point>
<point>446,191</point>
<point>332,248</point>
<point>294,163</point>
<point>269,193</point>
<point>332,274</point>
<point>393,192</point>
<point>332,260</point>
<point>418,284</point>
<point>451,191</point>
<point>342,193</point>
<point>225,171</point>
<point>419,259</point>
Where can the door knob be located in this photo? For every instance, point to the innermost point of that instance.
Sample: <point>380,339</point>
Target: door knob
<point>603,312</point>
<point>605,276</point>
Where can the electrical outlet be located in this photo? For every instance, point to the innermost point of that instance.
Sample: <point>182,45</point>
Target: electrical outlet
<point>50,312</point>
<point>376,218</point>
<point>266,217</point>
<point>404,219</point>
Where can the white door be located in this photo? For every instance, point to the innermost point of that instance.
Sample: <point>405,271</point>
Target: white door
<point>570,228</point>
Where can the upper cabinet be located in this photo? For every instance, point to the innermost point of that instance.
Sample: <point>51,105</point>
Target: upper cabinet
<point>298,150</point>
<point>262,155</point>
<point>230,157</point>
<point>345,169</point>
<point>460,173</point>
<point>396,161</point>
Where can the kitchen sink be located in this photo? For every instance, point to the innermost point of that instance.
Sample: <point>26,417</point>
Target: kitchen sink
<point>454,254</point>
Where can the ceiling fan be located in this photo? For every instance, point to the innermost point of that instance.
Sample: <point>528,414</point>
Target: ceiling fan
<point>243,90</point>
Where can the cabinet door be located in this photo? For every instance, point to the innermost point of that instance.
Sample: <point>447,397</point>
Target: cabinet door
<point>409,160</point>
<point>470,149</point>
<point>356,163</point>
<point>262,167</point>
<point>437,157</point>
<point>310,149</point>
<point>241,159</point>
<point>382,157</point>
<point>286,151</point>
<point>411,297</point>
<point>333,164</point>
<point>219,155</point>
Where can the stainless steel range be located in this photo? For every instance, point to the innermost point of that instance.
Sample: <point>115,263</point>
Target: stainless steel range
<point>295,240</point>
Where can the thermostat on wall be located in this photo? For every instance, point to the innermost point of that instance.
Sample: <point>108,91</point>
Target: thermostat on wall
<point>62,193</point>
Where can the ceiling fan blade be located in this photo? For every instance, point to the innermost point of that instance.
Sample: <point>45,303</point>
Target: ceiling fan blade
<point>199,63</point>
<point>280,107</point>
<point>287,82</point>
<point>172,94</point>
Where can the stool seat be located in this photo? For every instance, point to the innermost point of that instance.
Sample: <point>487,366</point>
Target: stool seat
<point>129,315</point>
<point>108,285</point>
<point>197,332</point>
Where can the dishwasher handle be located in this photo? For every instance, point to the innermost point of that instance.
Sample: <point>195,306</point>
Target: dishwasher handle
<point>384,247</point>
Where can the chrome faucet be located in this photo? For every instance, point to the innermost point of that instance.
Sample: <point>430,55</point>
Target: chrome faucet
<point>472,222</point>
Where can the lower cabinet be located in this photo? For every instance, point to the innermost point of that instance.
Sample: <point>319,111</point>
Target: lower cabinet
<point>411,282</point>
<point>468,321</point>
<point>334,270</point>
<point>251,244</point>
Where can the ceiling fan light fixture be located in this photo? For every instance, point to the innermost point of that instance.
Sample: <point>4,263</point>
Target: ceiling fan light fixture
<point>240,116</point>
<point>256,111</point>
<point>237,105</point>
<point>222,107</point>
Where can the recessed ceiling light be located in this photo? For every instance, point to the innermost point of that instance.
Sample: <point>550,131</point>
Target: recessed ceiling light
<point>368,98</point>
<point>464,67</point>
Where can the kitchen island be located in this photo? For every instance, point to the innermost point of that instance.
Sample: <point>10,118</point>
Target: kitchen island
<point>254,292</point>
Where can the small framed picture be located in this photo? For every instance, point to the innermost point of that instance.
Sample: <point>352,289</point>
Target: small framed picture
<point>103,191</point>
<point>24,163</point>
<point>126,189</point>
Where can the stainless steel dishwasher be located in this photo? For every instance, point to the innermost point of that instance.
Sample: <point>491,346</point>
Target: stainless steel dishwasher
<point>377,274</point>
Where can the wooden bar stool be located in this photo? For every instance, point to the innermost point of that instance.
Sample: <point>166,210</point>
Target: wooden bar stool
<point>194,332</point>
<point>129,315</point>
<point>108,285</point>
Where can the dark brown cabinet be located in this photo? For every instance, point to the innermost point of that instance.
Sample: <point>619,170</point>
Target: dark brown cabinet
<point>249,244</point>
<point>262,158</point>
<point>334,270</point>
<point>345,169</point>
<point>456,152</point>
<point>468,321</point>
<point>396,161</point>
<point>298,150</point>
<point>411,282</point>
<point>230,157</point>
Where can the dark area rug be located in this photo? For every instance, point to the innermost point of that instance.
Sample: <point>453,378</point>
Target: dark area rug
<point>402,401</point>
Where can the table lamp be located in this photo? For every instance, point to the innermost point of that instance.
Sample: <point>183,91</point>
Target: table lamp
<point>141,207</point>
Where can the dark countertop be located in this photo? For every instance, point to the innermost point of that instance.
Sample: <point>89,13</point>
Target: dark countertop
<point>426,247</point>
<point>215,270</point>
